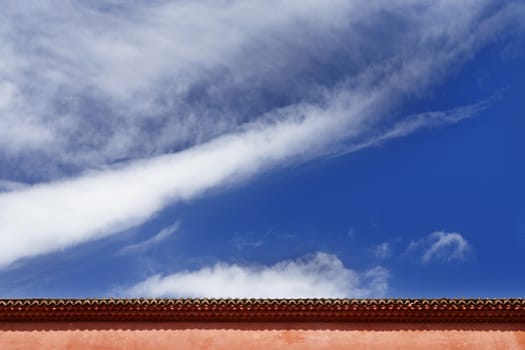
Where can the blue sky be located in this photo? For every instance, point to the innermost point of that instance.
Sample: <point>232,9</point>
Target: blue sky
<point>262,149</point>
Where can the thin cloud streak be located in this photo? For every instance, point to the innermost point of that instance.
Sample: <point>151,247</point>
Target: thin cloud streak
<point>163,234</point>
<point>414,123</point>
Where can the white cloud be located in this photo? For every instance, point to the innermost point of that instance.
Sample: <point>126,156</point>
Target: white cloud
<point>85,83</point>
<point>441,246</point>
<point>52,216</point>
<point>319,276</point>
<point>150,242</point>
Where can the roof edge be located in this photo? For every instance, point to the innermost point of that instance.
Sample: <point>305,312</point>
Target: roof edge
<point>264,310</point>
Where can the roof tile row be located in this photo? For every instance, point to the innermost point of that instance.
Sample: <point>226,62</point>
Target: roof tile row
<point>261,310</point>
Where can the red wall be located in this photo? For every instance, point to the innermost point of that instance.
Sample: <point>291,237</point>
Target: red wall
<point>266,336</point>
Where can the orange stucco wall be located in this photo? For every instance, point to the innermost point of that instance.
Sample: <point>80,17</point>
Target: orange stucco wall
<point>266,336</point>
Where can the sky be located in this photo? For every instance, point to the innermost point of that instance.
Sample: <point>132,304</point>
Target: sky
<point>264,148</point>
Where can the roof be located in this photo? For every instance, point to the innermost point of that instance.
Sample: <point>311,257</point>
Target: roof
<point>264,310</point>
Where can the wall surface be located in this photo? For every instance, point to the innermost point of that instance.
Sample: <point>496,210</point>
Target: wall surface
<point>266,336</point>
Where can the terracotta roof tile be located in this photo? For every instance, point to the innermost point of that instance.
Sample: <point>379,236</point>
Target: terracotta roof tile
<point>265,310</point>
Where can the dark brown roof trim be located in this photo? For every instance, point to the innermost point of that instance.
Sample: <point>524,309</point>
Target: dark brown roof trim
<point>265,310</point>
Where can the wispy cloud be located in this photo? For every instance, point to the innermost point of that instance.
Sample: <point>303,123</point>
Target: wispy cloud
<point>242,243</point>
<point>312,119</point>
<point>441,246</point>
<point>319,275</point>
<point>82,81</point>
<point>87,79</point>
<point>413,123</point>
<point>382,250</point>
<point>151,242</point>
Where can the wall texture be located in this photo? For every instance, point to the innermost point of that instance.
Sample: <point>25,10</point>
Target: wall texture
<point>268,336</point>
